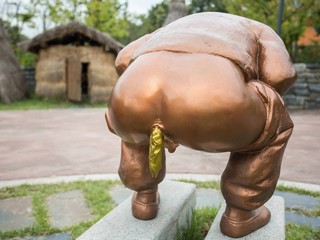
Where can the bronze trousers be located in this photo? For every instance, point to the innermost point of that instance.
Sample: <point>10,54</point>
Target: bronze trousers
<point>250,177</point>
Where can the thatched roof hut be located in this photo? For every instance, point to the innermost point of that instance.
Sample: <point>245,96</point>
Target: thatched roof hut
<point>75,62</point>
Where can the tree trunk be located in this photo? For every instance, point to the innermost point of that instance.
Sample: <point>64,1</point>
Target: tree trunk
<point>177,9</point>
<point>12,83</point>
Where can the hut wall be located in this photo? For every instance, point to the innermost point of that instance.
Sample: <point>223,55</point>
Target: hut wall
<point>51,74</point>
<point>51,71</point>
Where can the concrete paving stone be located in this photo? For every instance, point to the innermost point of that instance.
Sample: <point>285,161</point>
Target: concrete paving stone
<point>302,219</point>
<point>293,200</point>
<point>16,213</point>
<point>119,193</point>
<point>67,209</point>
<point>58,236</point>
<point>207,197</point>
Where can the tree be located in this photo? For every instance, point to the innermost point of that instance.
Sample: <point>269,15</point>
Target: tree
<point>144,24</point>
<point>295,16</point>
<point>12,84</point>
<point>197,6</point>
<point>108,16</point>
<point>15,16</point>
<point>64,11</point>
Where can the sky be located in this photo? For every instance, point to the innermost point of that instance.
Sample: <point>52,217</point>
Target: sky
<point>141,6</point>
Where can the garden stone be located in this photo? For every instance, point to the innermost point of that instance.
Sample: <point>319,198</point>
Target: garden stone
<point>302,92</point>
<point>67,209</point>
<point>120,193</point>
<point>58,236</point>
<point>302,219</point>
<point>16,213</point>
<point>300,67</point>
<point>207,197</point>
<point>298,201</point>
<point>314,87</point>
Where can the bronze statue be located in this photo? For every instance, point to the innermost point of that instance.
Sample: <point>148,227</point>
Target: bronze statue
<point>211,82</point>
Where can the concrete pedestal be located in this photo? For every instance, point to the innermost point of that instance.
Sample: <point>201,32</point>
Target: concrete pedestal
<point>275,229</point>
<point>177,200</point>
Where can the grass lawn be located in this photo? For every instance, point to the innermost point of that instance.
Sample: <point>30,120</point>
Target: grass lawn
<point>100,203</point>
<point>35,102</point>
<point>95,192</point>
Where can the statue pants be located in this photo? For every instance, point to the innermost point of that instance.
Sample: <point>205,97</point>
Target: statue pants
<point>251,175</point>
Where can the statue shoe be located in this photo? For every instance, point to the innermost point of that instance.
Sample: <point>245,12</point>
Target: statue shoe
<point>145,204</point>
<point>238,227</point>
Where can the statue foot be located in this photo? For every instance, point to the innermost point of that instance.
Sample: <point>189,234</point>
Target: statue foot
<point>238,223</point>
<point>145,204</point>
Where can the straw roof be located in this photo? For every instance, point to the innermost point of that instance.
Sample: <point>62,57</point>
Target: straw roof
<point>73,33</point>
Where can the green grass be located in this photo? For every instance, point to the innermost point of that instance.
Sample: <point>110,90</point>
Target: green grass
<point>199,226</point>
<point>203,218</point>
<point>100,203</point>
<point>35,103</point>
<point>208,184</point>
<point>298,191</point>
<point>295,232</point>
<point>216,185</point>
<point>307,212</point>
<point>95,192</point>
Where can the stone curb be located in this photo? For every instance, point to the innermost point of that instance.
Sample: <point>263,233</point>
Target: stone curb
<point>175,211</point>
<point>114,176</point>
<point>275,229</point>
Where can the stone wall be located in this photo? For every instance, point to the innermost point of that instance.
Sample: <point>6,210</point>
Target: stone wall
<point>305,93</point>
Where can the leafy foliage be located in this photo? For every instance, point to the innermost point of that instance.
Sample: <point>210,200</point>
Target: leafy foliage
<point>112,17</point>
<point>144,24</point>
<point>108,16</point>
<point>296,15</point>
<point>197,6</point>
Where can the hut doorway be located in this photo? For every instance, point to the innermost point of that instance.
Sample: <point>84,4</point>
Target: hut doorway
<point>77,80</point>
<point>84,81</point>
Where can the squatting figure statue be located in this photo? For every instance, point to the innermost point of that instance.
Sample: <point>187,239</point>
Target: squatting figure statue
<point>212,82</point>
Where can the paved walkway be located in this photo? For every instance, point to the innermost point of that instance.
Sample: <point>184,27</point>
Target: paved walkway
<point>40,144</point>
<point>47,143</point>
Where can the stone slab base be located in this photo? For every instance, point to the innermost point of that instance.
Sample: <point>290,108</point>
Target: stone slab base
<point>275,229</point>
<point>177,200</point>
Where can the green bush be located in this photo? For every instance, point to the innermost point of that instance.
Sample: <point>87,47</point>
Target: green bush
<point>308,54</point>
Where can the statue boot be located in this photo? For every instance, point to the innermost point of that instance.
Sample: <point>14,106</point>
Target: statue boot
<point>145,204</point>
<point>238,223</point>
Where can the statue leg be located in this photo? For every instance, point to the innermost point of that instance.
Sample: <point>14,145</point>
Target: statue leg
<point>251,175</point>
<point>135,174</point>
